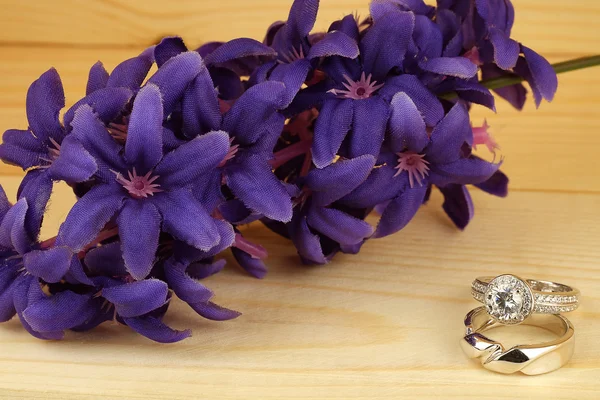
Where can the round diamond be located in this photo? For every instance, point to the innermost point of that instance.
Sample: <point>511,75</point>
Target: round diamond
<point>508,299</point>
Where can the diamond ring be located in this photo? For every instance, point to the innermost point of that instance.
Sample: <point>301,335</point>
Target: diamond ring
<point>510,300</point>
<point>530,359</point>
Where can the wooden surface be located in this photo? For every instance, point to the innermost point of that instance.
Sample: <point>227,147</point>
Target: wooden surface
<point>381,325</point>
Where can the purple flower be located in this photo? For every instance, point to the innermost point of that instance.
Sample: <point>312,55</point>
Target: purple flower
<point>457,200</point>
<point>44,150</point>
<point>226,62</point>
<point>299,53</point>
<point>26,268</point>
<point>486,27</point>
<point>320,227</point>
<point>146,190</point>
<point>355,98</point>
<point>414,160</point>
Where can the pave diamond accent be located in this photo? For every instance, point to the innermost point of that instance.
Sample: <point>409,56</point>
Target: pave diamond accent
<point>508,299</point>
<point>548,303</point>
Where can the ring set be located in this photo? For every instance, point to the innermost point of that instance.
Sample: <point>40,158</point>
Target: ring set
<point>510,300</point>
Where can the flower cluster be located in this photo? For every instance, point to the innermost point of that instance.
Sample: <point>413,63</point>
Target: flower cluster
<point>306,132</point>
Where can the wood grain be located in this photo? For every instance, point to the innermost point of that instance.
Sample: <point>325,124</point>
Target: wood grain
<point>381,325</point>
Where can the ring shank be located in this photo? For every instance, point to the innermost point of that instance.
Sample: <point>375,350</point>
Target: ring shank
<point>530,359</point>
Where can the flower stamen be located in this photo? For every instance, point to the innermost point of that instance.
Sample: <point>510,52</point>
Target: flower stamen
<point>53,153</point>
<point>357,90</point>
<point>481,135</point>
<point>415,165</point>
<point>233,149</point>
<point>292,55</point>
<point>138,186</point>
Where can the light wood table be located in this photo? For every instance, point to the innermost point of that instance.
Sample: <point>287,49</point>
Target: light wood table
<point>381,325</point>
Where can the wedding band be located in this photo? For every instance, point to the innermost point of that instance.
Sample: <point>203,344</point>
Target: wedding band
<point>510,300</point>
<point>529,359</point>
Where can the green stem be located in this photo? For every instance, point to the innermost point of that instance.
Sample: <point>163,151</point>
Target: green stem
<point>512,79</point>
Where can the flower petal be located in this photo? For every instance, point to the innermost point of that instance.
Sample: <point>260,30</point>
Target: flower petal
<point>106,260</point>
<point>400,211</point>
<point>200,106</point>
<point>186,219</point>
<point>45,99</point>
<point>214,312</point>
<point>377,55</point>
<point>254,266</point>
<point>542,75</point>
<point>300,22</point>
<point>338,179</point>
<point>331,127</point>
<point>407,127</point>
<point>306,242</point>
<point>94,137</point>
<point>338,225</point>
<point>89,215</point>
<point>97,78</point>
<point>185,287</point>
<point>334,44</point>
<point>427,102</point>
<point>27,289</point>
<point>74,164</point>
<point>189,161</point>
<point>7,288</point>
<point>137,298</point>
<point>36,188</point>
<point>168,48</point>
<point>13,234</point>
<point>381,185</point>
<point>506,50</point>
<point>474,92</point>
<point>460,67</point>
<point>241,55</point>
<point>247,119</point>
<point>458,204</point>
<point>201,270</point>
<point>174,77</point>
<point>107,103</point>
<point>4,203</point>
<point>465,171</point>
<point>22,149</point>
<point>50,265</point>
<point>369,124</point>
<point>254,183</point>
<point>156,330</point>
<point>139,229</point>
<point>143,147</point>
<point>449,136</point>
<point>293,76</point>
<point>496,185</point>
<point>60,311</point>
<point>514,94</point>
<point>132,72</point>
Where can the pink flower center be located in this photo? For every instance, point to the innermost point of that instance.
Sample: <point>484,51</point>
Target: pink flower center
<point>53,153</point>
<point>233,149</point>
<point>139,186</point>
<point>415,165</point>
<point>473,56</point>
<point>357,90</point>
<point>481,135</point>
